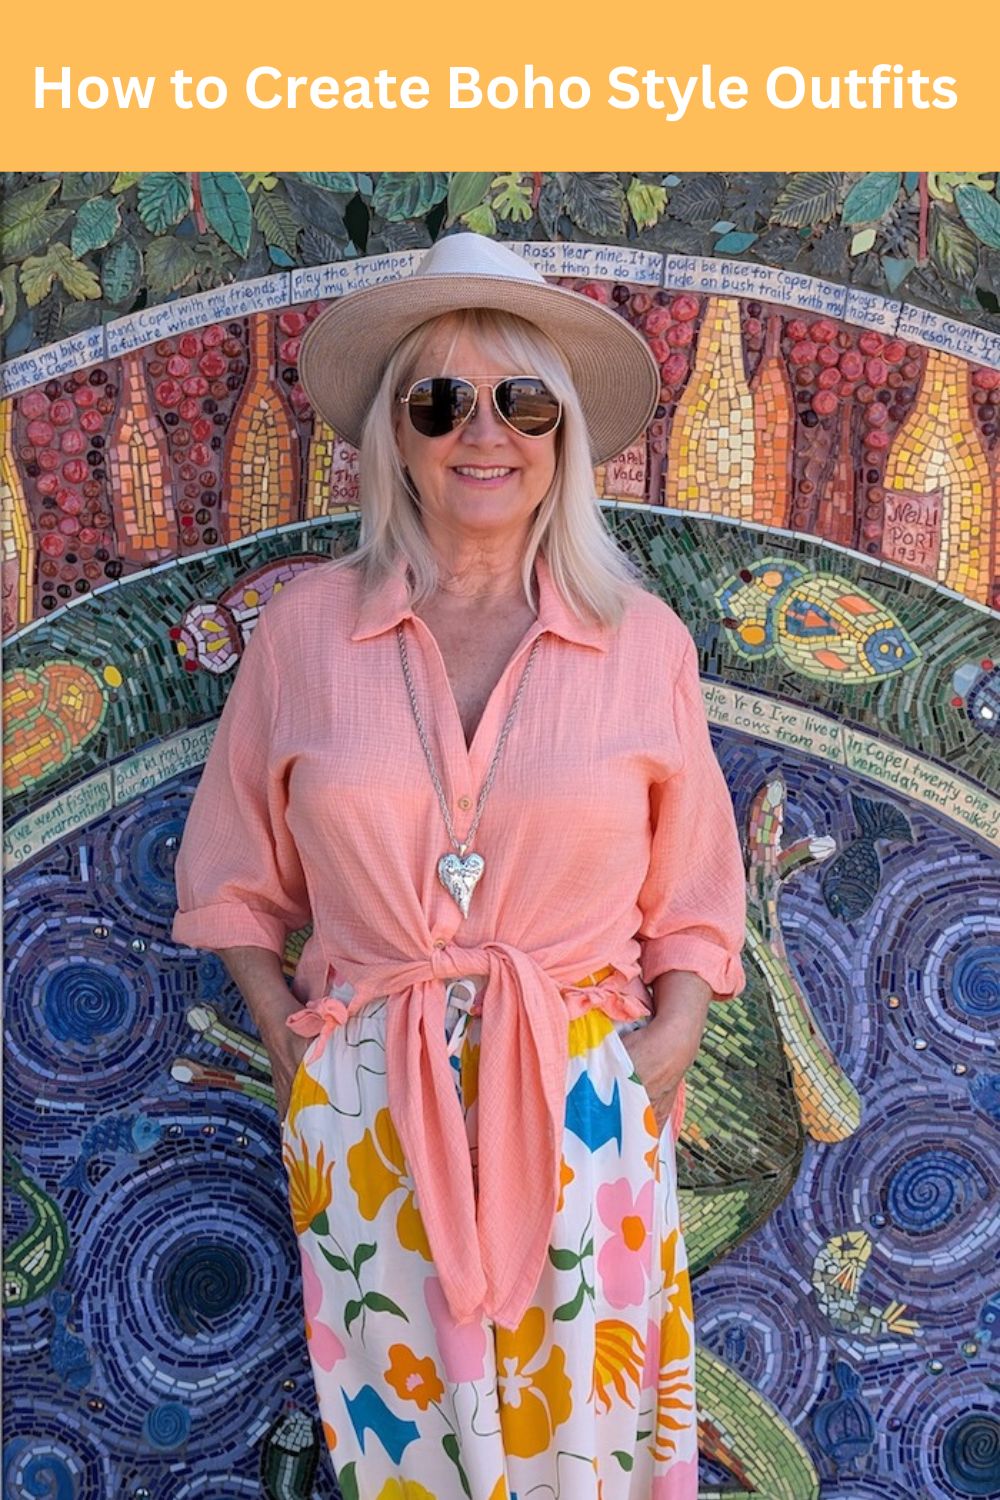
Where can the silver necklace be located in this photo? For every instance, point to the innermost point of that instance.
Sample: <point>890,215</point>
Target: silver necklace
<point>460,873</point>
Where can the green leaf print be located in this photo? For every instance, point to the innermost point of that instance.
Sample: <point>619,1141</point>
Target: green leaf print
<point>380,1303</point>
<point>337,1261</point>
<point>361,1254</point>
<point>569,1310</point>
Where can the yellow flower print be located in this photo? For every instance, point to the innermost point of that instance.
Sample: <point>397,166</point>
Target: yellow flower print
<point>413,1379</point>
<point>310,1184</point>
<point>588,1031</point>
<point>674,1394</point>
<point>404,1489</point>
<point>306,1091</point>
<point>534,1399</point>
<point>619,1351</point>
<point>377,1169</point>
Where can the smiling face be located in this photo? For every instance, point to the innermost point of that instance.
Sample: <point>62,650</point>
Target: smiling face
<point>482,482</point>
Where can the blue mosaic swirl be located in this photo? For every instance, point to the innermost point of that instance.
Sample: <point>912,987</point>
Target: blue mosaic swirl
<point>931,1189</point>
<point>86,1003</point>
<point>975,982</point>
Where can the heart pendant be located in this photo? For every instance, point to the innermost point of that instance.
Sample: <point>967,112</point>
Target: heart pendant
<point>459,874</point>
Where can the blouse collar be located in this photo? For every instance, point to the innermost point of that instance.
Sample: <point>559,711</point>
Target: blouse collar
<point>384,609</point>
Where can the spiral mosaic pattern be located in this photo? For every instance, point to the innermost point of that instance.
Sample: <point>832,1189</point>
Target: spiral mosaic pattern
<point>137,856</point>
<point>975,982</point>
<point>942,1425</point>
<point>932,1188</point>
<point>47,1458</point>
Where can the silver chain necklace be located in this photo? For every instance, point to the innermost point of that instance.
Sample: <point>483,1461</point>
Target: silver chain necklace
<point>460,873</point>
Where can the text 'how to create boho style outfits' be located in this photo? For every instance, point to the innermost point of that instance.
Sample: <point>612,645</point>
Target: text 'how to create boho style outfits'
<point>612,857</point>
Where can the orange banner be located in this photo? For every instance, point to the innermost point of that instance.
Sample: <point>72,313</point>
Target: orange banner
<point>435,86</point>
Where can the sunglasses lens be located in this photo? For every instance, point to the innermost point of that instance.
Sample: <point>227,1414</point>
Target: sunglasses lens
<point>439,406</point>
<point>528,405</point>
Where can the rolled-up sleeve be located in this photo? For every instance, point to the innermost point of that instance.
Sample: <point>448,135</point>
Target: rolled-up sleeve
<point>238,874</point>
<point>693,900</point>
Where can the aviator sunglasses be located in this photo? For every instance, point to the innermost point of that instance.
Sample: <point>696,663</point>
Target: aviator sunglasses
<point>440,404</point>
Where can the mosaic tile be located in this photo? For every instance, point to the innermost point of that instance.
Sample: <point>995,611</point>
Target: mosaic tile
<point>962,339</point>
<point>170,319</point>
<point>617,262</point>
<point>26,370</point>
<point>311,282</point>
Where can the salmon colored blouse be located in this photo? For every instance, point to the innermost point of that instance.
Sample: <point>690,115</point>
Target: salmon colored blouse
<point>609,840</point>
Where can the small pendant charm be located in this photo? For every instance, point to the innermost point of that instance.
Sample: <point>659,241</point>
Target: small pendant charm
<point>459,874</point>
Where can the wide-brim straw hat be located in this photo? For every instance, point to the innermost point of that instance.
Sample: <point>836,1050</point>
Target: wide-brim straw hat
<point>345,350</point>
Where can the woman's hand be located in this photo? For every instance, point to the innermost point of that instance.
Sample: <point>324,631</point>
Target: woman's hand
<point>664,1049</point>
<point>657,1070</point>
<point>285,1052</point>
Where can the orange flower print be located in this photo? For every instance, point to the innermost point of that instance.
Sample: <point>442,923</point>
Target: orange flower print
<point>566,1175</point>
<point>411,1378</point>
<point>675,1411</point>
<point>310,1186</point>
<point>376,1168</point>
<point>534,1398</point>
<point>619,1352</point>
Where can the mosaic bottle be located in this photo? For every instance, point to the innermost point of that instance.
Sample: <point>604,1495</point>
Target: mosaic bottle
<point>938,486</point>
<point>835,510</point>
<point>774,423</point>
<point>263,459</point>
<point>710,461</point>
<point>331,472</point>
<point>139,473</point>
<point>17,539</point>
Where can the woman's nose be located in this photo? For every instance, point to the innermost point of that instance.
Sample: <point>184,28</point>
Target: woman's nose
<point>484,423</point>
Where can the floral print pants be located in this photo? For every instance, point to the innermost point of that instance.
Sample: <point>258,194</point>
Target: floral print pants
<point>592,1396</point>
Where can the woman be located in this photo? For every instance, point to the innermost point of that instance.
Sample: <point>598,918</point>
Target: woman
<point>475,754</point>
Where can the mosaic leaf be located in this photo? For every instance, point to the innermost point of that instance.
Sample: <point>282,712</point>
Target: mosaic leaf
<point>982,214</point>
<point>595,201</point>
<point>121,271</point>
<point>408,195</point>
<point>331,182</point>
<point>26,221</point>
<point>124,180</point>
<point>869,198</point>
<point>227,208</point>
<point>466,190</point>
<point>647,202</point>
<point>164,199</point>
<point>169,263</point>
<point>96,223</point>
<point>76,186</point>
<point>277,221</point>
<point>58,263</point>
<point>8,289</point>
<point>955,248</point>
<point>808,198</point>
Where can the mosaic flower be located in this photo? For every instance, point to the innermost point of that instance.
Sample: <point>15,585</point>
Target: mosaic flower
<point>534,1399</point>
<point>376,1168</point>
<point>624,1261</point>
<point>413,1379</point>
<point>310,1185</point>
<point>618,1361</point>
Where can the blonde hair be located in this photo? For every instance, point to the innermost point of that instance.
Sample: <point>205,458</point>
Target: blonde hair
<point>591,573</point>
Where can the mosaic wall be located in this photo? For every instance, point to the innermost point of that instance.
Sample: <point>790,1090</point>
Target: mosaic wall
<point>818,495</point>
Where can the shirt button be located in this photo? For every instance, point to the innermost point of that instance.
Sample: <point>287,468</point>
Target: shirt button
<point>439,942</point>
<point>465,803</point>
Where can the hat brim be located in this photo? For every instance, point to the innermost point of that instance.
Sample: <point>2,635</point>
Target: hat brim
<point>345,350</point>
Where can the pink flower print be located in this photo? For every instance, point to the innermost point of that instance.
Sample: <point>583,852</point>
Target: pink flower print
<point>624,1261</point>
<point>325,1347</point>
<point>462,1346</point>
<point>680,1482</point>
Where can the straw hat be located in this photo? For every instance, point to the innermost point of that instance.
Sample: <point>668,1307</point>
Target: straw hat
<point>345,351</point>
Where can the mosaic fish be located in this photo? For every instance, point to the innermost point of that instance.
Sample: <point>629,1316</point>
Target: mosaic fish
<point>850,882</point>
<point>289,1457</point>
<point>123,1135</point>
<point>836,1275</point>
<point>820,624</point>
<point>213,632</point>
<point>69,1354</point>
<point>35,1260</point>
